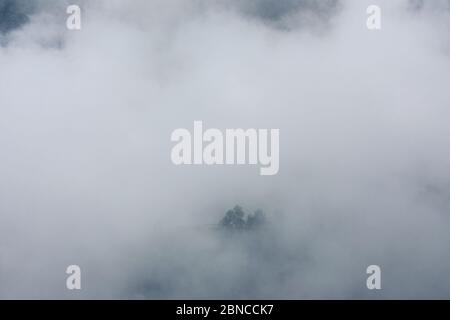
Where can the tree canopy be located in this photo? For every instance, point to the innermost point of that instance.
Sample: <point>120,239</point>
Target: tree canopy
<point>236,219</point>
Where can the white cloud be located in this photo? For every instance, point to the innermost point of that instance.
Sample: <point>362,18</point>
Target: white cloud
<point>86,176</point>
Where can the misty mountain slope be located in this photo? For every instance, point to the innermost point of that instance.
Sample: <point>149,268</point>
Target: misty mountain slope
<point>13,14</point>
<point>42,21</point>
<point>430,4</point>
<point>287,14</point>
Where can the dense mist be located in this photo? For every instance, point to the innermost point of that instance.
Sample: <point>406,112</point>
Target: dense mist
<point>85,170</point>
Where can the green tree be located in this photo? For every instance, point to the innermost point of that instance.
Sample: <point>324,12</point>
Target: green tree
<point>235,219</point>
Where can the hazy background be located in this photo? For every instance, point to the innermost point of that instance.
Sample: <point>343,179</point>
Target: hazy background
<point>85,170</point>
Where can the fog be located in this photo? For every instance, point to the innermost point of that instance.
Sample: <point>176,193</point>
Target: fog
<point>85,170</point>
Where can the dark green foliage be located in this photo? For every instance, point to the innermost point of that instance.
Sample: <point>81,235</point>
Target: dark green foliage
<point>235,220</point>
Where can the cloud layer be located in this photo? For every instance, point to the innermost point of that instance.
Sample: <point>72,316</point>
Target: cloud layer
<point>85,170</point>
